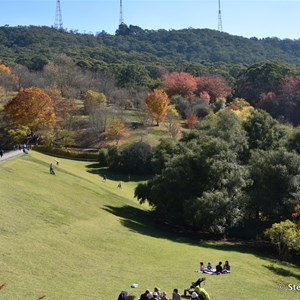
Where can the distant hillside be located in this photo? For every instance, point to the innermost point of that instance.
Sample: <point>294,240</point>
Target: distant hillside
<point>194,50</point>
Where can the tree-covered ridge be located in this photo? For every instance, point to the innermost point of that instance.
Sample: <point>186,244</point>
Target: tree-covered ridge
<point>195,50</point>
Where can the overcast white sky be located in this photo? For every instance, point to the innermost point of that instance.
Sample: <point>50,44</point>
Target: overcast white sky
<point>248,18</point>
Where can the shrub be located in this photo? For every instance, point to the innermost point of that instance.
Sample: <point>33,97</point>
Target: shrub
<point>65,153</point>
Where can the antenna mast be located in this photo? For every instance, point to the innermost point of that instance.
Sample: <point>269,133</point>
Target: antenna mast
<point>58,19</point>
<point>220,18</point>
<point>121,19</point>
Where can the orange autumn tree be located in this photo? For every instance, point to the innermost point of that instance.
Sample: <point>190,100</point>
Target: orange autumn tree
<point>157,103</point>
<point>4,69</point>
<point>31,108</point>
<point>7,79</point>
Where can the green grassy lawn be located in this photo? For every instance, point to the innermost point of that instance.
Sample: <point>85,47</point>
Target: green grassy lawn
<point>72,236</point>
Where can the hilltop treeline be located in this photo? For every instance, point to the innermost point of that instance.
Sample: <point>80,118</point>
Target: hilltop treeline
<point>197,51</point>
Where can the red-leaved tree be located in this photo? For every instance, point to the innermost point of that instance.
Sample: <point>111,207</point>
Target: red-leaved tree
<point>182,83</point>
<point>215,86</point>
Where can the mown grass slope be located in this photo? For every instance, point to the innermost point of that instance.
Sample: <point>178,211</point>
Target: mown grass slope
<point>72,236</point>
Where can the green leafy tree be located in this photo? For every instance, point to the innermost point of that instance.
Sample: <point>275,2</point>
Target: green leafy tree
<point>275,189</point>
<point>136,158</point>
<point>285,236</point>
<point>263,131</point>
<point>204,166</point>
<point>132,76</point>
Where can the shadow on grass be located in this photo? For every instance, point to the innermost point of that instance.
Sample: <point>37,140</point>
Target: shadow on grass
<point>138,220</point>
<point>95,168</point>
<point>282,272</point>
<point>144,222</point>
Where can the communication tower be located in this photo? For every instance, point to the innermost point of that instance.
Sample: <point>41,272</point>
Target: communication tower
<point>121,19</point>
<point>220,18</point>
<point>58,19</point>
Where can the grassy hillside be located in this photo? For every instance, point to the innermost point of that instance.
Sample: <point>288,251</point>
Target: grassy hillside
<point>72,236</point>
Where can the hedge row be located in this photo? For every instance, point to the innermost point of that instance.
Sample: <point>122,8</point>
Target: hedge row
<point>64,153</point>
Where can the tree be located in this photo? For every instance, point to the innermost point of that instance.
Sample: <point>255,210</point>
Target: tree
<point>31,108</point>
<point>214,86</point>
<point>65,110</point>
<point>203,166</point>
<point>285,236</point>
<point>157,103</point>
<point>163,152</point>
<point>171,117</point>
<point>241,108</point>
<point>263,131</point>
<point>288,99</point>
<point>18,134</point>
<point>182,83</point>
<point>191,120</point>
<point>275,188</point>
<point>137,157</point>
<point>64,75</point>
<point>116,130</point>
<point>296,217</point>
<point>93,99</point>
<point>8,80</point>
<point>262,77</point>
<point>95,107</point>
<point>132,76</point>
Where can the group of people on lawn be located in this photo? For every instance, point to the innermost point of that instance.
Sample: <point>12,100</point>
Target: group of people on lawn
<point>198,294</point>
<point>218,270</point>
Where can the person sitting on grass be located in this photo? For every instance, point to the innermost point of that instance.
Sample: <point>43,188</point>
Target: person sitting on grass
<point>144,295</point>
<point>164,296</point>
<point>219,268</point>
<point>157,290</point>
<point>123,296</point>
<point>226,267</point>
<point>208,269</point>
<point>201,268</point>
<point>175,295</point>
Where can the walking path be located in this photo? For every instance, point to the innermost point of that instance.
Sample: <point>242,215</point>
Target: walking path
<point>10,154</point>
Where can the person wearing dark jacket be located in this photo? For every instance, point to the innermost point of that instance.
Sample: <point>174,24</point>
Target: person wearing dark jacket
<point>144,295</point>
<point>219,268</point>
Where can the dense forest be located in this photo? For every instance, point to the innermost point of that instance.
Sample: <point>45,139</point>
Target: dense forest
<point>197,51</point>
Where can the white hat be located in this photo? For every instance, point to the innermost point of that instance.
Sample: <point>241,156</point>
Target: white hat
<point>194,295</point>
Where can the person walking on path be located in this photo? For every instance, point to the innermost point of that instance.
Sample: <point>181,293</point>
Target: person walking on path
<point>1,152</point>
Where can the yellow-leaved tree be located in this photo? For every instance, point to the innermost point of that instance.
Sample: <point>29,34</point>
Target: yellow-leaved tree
<point>157,103</point>
<point>116,130</point>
